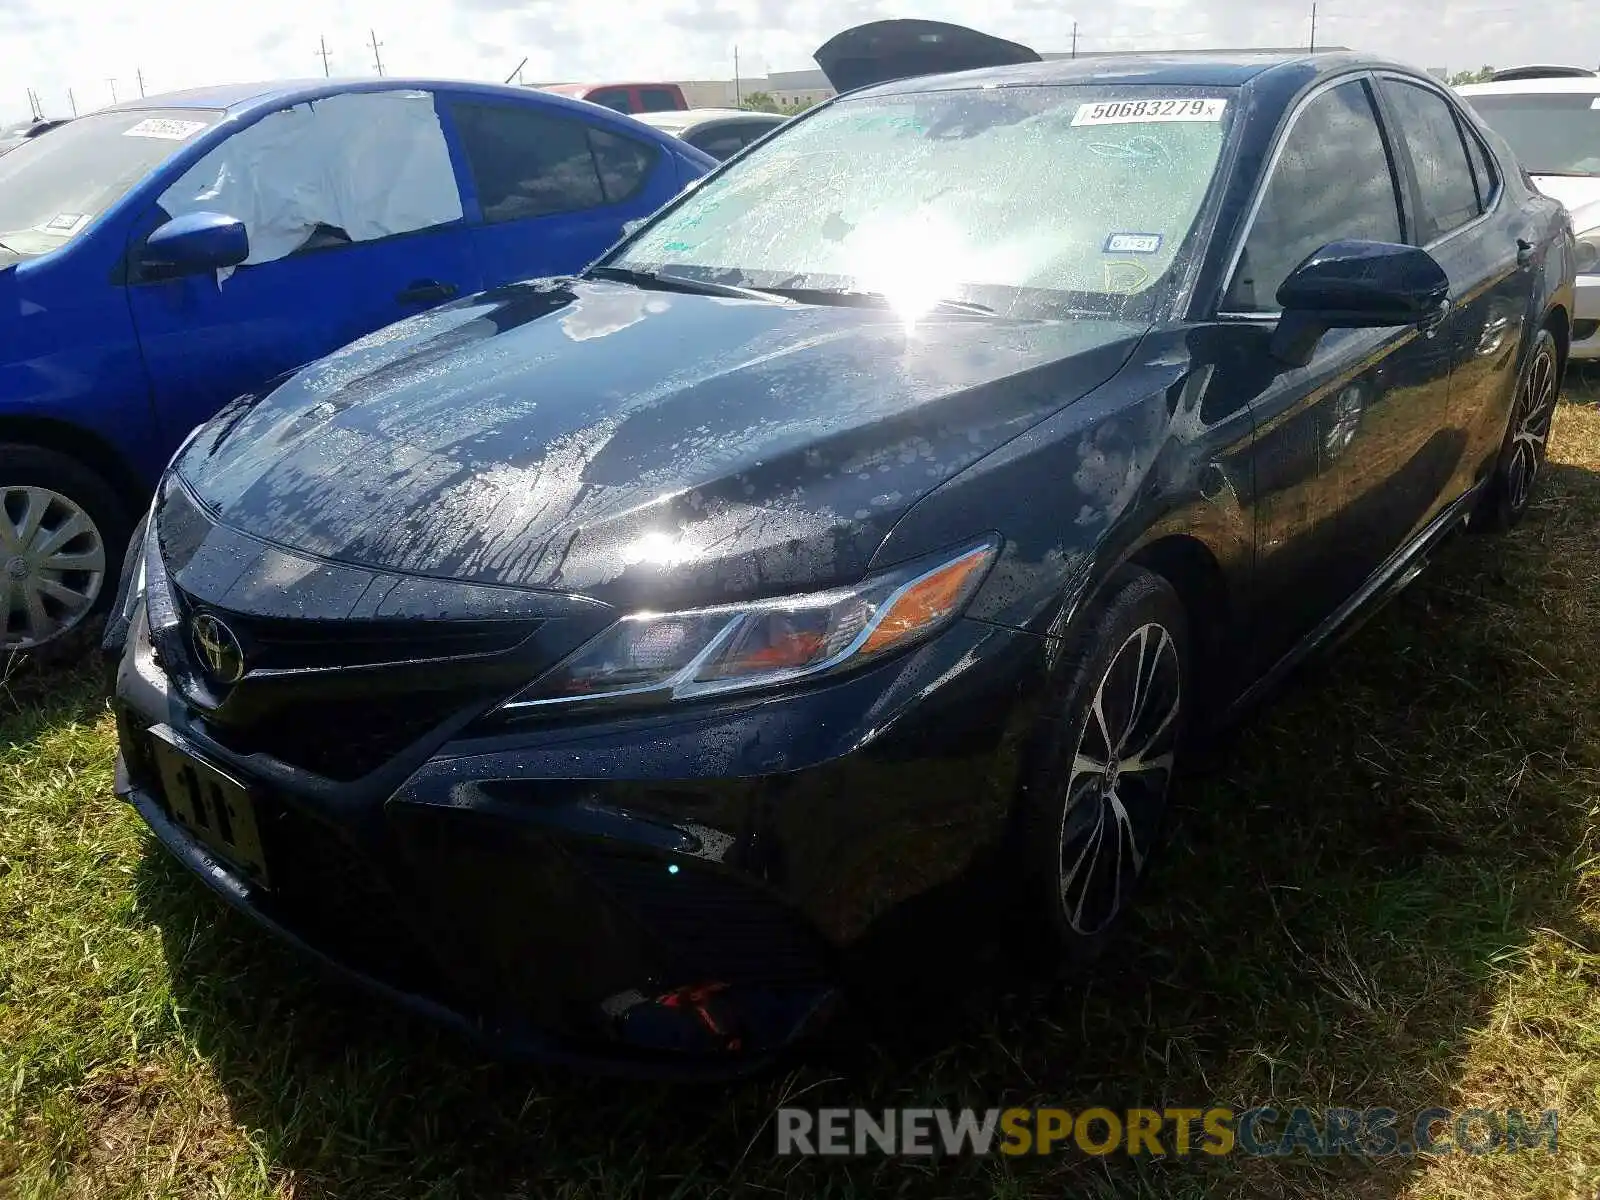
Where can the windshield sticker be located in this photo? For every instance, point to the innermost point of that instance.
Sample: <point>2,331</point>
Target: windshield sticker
<point>1130,112</point>
<point>1133,243</point>
<point>1595,103</point>
<point>164,128</point>
<point>65,224</point>
<point>1125,278</point>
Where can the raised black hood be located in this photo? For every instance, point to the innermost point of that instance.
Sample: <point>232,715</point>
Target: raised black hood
<point>634,446</point>
<point>881,51</point>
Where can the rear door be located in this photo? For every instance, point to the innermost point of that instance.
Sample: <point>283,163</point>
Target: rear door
<point>1332,437</point>
<point>355,221</point>
<point>1479,243</point>
<point>549,189</point>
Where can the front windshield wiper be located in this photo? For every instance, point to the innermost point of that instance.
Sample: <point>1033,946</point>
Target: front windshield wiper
<point>683,283</point>
<point>844,296</point>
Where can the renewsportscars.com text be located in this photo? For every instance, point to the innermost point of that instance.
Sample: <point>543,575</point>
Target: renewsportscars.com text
<point>1163,1132</point>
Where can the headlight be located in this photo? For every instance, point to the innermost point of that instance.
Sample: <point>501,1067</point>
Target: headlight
<point>1588,251</point>
<point>652,658</point>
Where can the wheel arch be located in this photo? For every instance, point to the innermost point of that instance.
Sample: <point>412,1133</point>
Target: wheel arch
<point>83,445</point>
<point>1190,566</point>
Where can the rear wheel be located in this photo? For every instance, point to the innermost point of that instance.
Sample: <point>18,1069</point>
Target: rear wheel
<point>63,531</point>
<point>1096,798</point>
<point>1522,453</point>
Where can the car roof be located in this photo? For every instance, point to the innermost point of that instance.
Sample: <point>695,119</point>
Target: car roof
<point>680,120</point>
<point>243,97</point>
<point>1582,85</point>
<point>1165,70</point>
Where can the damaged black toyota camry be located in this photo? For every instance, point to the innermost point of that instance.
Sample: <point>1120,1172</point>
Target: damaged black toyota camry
<point>598,663</point>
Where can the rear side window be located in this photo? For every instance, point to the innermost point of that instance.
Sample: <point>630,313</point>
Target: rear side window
<point>1483,169</point>
<point>1444,174</point>
<point>613,98</point>
<point>720,142</point>
<point>528,163</point>
<point>1332,181</point>
<point>624,163</point>
<point>654,99</point>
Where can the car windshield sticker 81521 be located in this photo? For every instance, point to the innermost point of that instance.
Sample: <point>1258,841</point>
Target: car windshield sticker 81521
<point>162,127</point>
<point>1129,112</point>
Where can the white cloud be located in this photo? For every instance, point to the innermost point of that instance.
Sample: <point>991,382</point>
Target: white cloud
<point>52,47</point>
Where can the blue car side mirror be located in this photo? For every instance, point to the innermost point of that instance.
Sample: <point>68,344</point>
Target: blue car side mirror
<point>194,243</point>
<point>1358,285</point>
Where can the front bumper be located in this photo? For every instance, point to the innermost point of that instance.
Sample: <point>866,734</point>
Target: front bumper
<point>676,893</point>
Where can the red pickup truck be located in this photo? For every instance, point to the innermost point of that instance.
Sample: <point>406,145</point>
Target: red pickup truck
<point>625,97</point>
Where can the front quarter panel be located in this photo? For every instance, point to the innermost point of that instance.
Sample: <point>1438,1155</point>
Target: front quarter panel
<point>1080,493</point>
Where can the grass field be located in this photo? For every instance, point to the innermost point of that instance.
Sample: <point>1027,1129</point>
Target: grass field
<point>1389,894</point>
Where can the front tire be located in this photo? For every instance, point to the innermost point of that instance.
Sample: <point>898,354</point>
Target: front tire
<point>63,531</point>
<point>1096,796</point>
<point>1521,461</point>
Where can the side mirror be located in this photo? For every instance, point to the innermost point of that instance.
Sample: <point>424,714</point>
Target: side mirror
<point>194,243</point>
<point>1357,285</point>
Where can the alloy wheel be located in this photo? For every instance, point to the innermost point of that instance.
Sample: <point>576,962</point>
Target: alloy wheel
<point>52,565</point>
<point>1536,405</point>
<point>1118,783</point>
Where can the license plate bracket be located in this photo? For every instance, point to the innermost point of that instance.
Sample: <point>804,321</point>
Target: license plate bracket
<point>211,806</point>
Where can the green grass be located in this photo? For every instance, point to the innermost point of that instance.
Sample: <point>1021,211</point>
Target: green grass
<point>1387,894</point>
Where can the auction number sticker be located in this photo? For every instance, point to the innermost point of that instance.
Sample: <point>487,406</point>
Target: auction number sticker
<point>164,128</point>
<point>1130,112</point>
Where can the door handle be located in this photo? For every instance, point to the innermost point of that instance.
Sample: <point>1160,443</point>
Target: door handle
<point>426,291</point>
<point>1525,250</point>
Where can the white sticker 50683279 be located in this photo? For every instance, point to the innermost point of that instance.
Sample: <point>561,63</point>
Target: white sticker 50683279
<point>1131,112</point>
<point>164,127</point>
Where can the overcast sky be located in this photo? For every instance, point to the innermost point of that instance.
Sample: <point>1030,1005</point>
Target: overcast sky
<point>52,46</point>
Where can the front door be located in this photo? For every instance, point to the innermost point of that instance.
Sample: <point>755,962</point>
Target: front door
<point>355,221</point>
<point>1335,439</point>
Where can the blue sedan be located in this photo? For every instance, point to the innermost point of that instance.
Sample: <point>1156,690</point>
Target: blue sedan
<point>161,257</point>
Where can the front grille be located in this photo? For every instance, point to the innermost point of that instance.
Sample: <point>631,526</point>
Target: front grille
<point>714,928</point>
<point>340,739</point>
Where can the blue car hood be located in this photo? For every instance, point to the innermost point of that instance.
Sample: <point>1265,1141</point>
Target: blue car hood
<point>634,445</point>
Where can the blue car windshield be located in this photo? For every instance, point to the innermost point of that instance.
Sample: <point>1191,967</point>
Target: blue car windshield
<point>1026,200</point>
<point>53,187</point>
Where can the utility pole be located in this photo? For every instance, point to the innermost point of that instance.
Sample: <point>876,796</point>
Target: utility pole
<point>112,81</point>
<point>1074,39</point>
<point>72,102</point>
<point>323,41</point>
<point>377,59</point>
<point>1313,45</point>
<point>140,73</point>
<point>738,95</point>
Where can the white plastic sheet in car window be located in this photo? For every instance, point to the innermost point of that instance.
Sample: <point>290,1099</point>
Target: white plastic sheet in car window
<point>370,164</point>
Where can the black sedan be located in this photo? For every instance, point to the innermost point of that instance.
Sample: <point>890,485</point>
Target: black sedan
<point>599,663</point>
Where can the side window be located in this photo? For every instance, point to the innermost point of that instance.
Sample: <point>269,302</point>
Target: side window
<point>1444,176</point>
<point>348,168</point>
<point>527,163</point>
<point>1332,181</point>
<point>1483,170</point>
<point>655,99</point>
<point>624,163</point>
<point>616,99</point>
<point>719,142</point>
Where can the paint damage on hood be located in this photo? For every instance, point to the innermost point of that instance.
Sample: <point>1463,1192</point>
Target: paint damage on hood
<point>635,446</point>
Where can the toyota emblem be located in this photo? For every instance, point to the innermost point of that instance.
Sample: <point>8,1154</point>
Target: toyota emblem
<point>218,648</point>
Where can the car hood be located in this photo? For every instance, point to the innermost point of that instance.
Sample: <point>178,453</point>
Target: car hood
<point>881,51</point>
<point>634,445</point>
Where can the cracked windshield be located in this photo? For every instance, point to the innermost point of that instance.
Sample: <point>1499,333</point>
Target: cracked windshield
<point>900,197</point>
